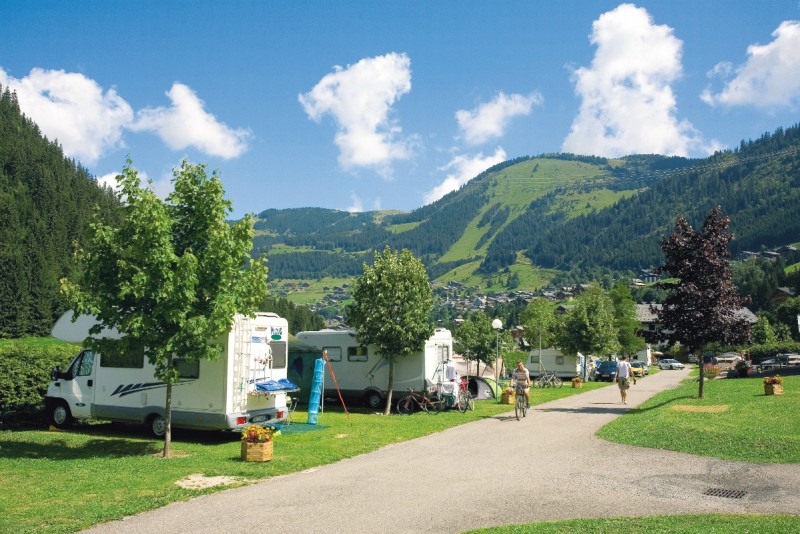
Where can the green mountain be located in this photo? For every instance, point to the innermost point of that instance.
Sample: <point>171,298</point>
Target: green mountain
<point>554,215</point>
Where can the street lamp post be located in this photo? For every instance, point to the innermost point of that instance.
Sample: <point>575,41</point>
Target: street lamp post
<point>497,324</point>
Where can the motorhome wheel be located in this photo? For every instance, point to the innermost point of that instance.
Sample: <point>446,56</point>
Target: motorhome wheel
<point>373,400</point>
<point>158,426</point>
<point>61,416</point>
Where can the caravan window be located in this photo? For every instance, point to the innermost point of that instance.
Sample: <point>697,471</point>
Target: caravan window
<point>356,354</point>
<point>334,353</point>
<point>443,352</point>
<point>534,358</point>
<point>187,368</point>
<point>133,359</point>
<point>559,360</point>
<point>279,350</point>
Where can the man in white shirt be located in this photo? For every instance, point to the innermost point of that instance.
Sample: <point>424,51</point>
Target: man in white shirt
<point>622,378</point>
<point>522,379</point>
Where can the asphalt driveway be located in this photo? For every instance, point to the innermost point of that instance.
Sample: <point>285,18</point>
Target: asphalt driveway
<point>465,478</point>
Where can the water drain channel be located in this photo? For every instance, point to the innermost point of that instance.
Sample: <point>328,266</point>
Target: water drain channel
<point>726,493</point>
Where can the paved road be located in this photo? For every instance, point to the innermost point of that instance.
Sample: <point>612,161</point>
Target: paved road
<point>446,482</point>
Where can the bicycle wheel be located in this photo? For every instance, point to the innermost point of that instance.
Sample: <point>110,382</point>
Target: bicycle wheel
<point>518,405</point>
<point>405,406</point>
<point>436,404</point>
<point>557,382</point>
<point>470,401</point>
<point>524,406</point>
<point>463,402</point>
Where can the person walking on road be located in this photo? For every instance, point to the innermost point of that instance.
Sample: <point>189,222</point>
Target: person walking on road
<point>622,378</point>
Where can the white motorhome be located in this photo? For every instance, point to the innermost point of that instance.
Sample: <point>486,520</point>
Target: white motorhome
<point>363,375</point>
<point>553,360</point>
<point>245,385</point>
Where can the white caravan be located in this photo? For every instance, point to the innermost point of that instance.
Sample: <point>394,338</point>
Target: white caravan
<point>553,360</point>
<point>363,375</point>
<point>245,385</point>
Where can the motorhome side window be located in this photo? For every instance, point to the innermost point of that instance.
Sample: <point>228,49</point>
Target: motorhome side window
<point>279,350</point>
<point>187,368</point>
<point>334,353</point>
<point>133,359</point>
<point>356,354</point>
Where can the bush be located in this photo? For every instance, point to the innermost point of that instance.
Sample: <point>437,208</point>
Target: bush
<point>24,375</point>
<point>759,353</point>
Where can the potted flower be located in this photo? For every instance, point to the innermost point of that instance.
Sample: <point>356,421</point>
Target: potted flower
<point>577,382</point>
<point>773,385</point>
<point>257,444</point>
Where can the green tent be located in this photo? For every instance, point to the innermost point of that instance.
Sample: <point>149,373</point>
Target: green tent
<point>301,367</point>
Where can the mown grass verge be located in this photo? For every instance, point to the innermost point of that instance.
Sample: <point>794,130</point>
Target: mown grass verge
<point>674,524</point>
<point>734,420</point>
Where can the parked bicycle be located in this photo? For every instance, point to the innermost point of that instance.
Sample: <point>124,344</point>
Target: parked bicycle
<point>549,380</point>
<point>414,401</point>
<point>465,399</point>
<point>521,406</point>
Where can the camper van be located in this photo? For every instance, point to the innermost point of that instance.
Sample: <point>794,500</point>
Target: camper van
<point>363,375</point>
<point>553,360</point>
<point>245,385</point>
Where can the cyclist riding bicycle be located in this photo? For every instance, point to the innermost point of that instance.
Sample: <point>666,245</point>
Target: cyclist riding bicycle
<point>522,379</point>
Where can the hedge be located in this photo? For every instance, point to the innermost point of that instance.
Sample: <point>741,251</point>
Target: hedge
<point>759,353</point>
<point>24,374</point>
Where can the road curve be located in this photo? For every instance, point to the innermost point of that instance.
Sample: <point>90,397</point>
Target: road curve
<point>465,478</point>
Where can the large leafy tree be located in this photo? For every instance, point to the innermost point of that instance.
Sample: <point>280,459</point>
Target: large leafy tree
<point>171,276</point>
<point>539,322</point>
<point>625,319</point>
<point>476,339</point>
<point>703,306</point>
<point>589,326</point>
<point>391,308</point>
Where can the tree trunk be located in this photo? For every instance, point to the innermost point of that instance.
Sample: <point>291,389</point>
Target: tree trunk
<point>388,409</point>
<point>702,368</point>
<point>168,434</point>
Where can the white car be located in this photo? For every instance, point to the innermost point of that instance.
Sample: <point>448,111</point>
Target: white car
<point>670,364</point>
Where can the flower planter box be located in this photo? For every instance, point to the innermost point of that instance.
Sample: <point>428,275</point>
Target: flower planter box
<point>507,398</point>
<point>773,389</point>
<point>257,452</point>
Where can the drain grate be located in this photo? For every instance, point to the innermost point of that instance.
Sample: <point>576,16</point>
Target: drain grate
<point>727,493</point>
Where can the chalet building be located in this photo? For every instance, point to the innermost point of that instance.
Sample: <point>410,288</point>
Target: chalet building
<point>652,330</point>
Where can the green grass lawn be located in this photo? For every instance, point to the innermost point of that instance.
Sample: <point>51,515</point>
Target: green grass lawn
<point>734,421</point>
<point>64,481</point>
<point>679,524</point>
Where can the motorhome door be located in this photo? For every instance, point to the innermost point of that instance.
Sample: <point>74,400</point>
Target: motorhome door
<point>77,384</point>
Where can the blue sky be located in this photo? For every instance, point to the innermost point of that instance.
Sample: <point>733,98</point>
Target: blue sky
<point>363,105</point>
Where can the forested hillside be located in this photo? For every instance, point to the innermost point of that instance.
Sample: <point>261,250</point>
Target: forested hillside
<point>581,215</point>
<point>46,201</point>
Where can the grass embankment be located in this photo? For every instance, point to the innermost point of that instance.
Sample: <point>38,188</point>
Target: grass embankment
<point>64,481</point>
<point>733,421</point>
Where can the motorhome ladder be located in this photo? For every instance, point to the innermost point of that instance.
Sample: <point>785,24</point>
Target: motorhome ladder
<point>242,344</point>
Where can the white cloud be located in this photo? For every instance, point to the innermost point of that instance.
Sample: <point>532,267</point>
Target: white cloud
<point>162,188</point>
<point>464,169</point>
<point>359,98</point>
<point>627,103</point>
<point>769,78</point>
<point>490,120</point>
<point>72,109</point>
<point>357,206</point>
<point>187,124</point>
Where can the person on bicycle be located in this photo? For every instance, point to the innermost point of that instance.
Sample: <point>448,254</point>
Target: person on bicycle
<point>522,379</point>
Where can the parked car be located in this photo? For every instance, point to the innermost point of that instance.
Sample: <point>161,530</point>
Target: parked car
<point>670,364</point>
<point>605,371</point>
<point>639,369</point>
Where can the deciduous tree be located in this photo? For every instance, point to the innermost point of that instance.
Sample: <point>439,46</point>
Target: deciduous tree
<point>703,305</point>
<point>391,308</point>
<point>171,276</point>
